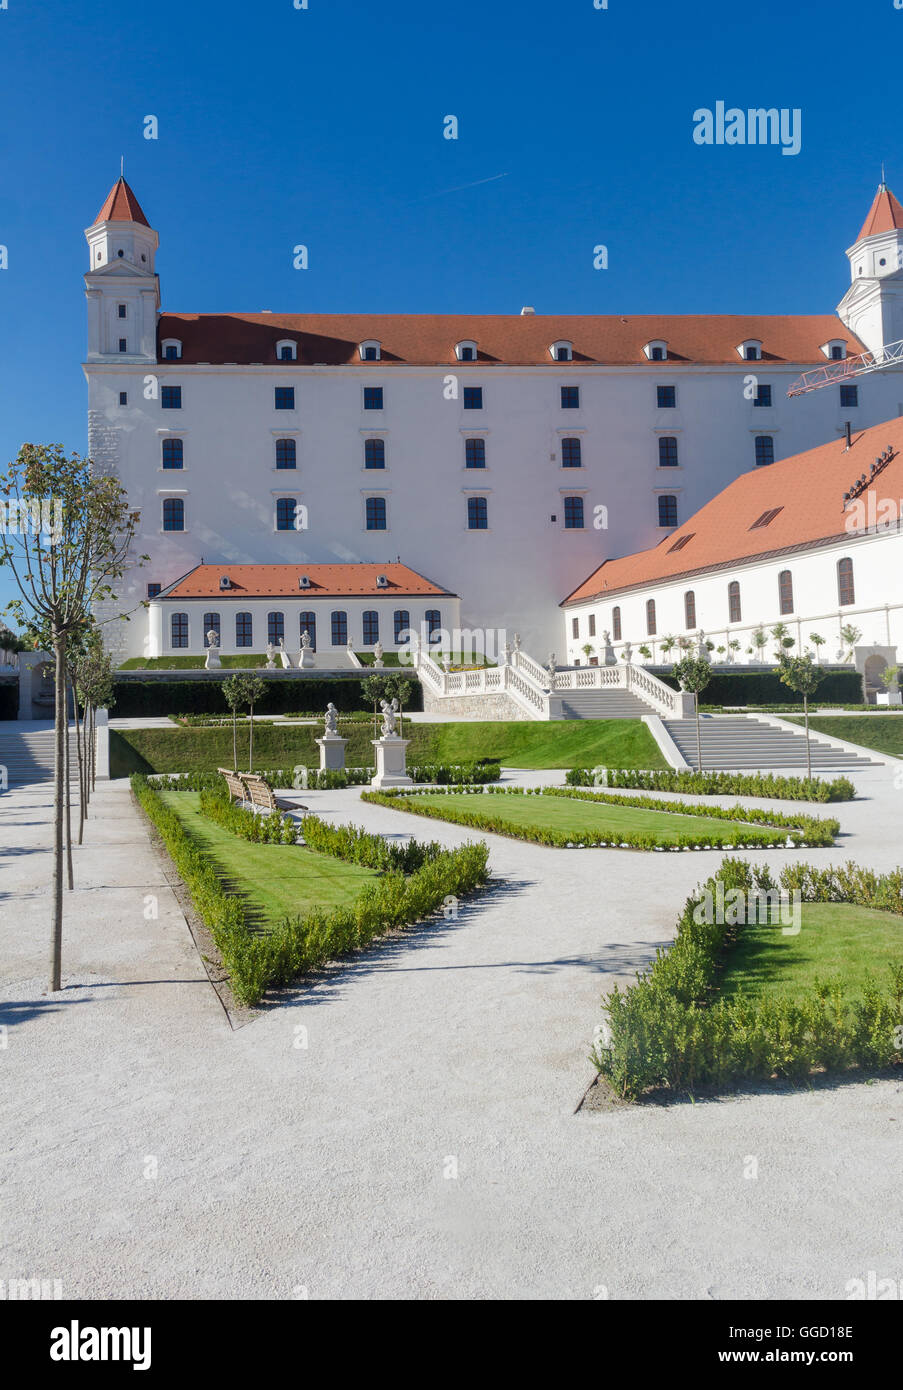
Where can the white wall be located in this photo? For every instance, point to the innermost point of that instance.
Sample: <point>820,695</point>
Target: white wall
<point>511,576</point>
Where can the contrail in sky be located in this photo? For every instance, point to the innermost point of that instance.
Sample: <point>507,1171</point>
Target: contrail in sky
<point>461,186</point>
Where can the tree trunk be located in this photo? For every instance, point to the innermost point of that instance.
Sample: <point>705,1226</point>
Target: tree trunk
<point>698,738</point>
<point>251,739</point>
<point>92,751</point>
<point>70,882</point>
<point>81,773</point>
<point>234,742</point>
<point>59,726</point>
<point>808,749</point>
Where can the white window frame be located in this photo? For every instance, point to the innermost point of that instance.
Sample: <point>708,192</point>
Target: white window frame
<point>655,343</point>
<point>168,343</point>
<point>370,343</point>
<point>466,343</point>
<point>562,343</point>
<point>287,343</point>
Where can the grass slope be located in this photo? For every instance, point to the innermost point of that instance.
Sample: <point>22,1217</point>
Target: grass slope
<point>882,732</point>
<point>274,880</point>
<point>565,744</point>
<point>240,660</point>
<point>834,939</point>
<point>575,817</point>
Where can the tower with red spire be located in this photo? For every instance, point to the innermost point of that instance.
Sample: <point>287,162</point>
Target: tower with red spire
<point>873,305</point>
<point>121,284</point>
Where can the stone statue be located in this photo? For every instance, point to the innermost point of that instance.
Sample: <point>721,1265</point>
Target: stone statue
<point>378,654</point>
<point>517,641</point>
<point>305,639</point>
<point>390,715</point>
<point>552,669</point>
<point>271,657</point>
<point>213,658</point>
<point>331,728</point>
<point>506,654</point>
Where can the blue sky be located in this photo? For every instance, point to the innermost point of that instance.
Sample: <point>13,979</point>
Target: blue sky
<point>325,126</point>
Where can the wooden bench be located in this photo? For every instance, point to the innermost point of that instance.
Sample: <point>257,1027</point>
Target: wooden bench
<point>235,784</point>
<point>261,794</point>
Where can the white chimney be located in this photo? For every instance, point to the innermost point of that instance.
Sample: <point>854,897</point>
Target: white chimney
<point>527,309</point>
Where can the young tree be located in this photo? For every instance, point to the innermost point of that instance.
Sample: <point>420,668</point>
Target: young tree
<point>234,695</point>
<point>66,560</point>
<point>399,688</point>
<point>803,675</point>
<point>375,688</point>
<point>254,688</point>
<point>693,673</point>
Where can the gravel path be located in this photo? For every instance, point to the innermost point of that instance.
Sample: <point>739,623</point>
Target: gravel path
<point>422,1144</point>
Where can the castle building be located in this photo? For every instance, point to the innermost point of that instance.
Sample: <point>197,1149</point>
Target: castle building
<point>498,458</point>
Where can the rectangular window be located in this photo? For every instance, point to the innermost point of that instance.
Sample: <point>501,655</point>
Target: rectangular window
<point>573,513</point>
<point>849,396</point>
<point>475,453</point>
<point>172,353</point>
<point>785,592</point>
<point>689,609</point>
<point>477,514</point>
<point>376,513</point>
<point>371,627</point>
<point>339,622</point>
<point>244,630</point>
<point>275,628</point>
<point>374,453</point>
<point>122,311</point>
<point>171,397</point>
<point>153,590</point>
<point>575,627</point>
<point>616,624</point>
<point>285,513</point>
<point>123,397</point>
<point>123,345</point>
<point>570,397</point>
<point>764,450</point>
<point>373,398</point>
<point>173,514</point>
<point>178,627</point>
<point>666,397</point>
<point>286,453</point>
<point>172,453</point>
<point>733,602</point>
<point>571,453</point>
<point>285,397</point>
<point>763,394</point>
<point>592,624</point>
<point>836,352</point>
<point>667,451</point>
<point>473,398</point>
<point>667,511</point>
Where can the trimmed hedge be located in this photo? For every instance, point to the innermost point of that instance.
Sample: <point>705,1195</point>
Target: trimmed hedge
<point>797,829</point>
<point>669,1030</point>
<point>320,779</point>
<point>718,783</point>
<point>9,699</point>
<point>300,944</point>
<point>765,687</point>
<point>161,696</point>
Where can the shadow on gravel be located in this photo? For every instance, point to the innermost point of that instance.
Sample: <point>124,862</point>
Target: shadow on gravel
<point>600,1098</point>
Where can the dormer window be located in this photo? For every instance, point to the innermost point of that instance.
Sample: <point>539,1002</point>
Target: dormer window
<point>750,350</point>
<point>835,349</point>
<point>370,351</point>
<point>466,351</point>
<point>172,349</point>
<point>656,350</point>
<point>287,350</point>
<point>562,351</point>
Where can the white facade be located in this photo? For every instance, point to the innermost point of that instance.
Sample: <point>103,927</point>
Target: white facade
<point>510,575</point>
<point>876,610</point>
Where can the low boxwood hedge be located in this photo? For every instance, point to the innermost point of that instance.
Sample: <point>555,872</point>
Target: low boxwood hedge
<point>256,960</point>
<point>162,696</point>
<point>670,1030</point>
<point>795,830</point>
<point>716,783</point>
<point>764,687</point>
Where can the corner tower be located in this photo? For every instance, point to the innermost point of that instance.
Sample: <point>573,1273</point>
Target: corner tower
<point>121,285</point>
<point>872,307</point>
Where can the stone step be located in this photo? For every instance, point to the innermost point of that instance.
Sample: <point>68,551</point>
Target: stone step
<point>746,742</point>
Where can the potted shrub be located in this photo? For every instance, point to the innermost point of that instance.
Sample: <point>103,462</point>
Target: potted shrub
<point>891,694</point>
<point>817,641</point>
<point>849,635</point>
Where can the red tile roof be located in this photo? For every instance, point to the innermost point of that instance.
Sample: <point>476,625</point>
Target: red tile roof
<point>802,494</point>
<point>428,339</point>
<point>121,205</point>
<point>885,214</point>
<point>281,581</point>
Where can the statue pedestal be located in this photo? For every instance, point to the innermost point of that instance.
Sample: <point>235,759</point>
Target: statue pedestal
<point>306,658</point>
<point>213,662</point>
<point>332,752</point>
<point>391,768</point>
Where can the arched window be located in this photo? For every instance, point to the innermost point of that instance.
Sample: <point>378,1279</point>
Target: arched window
<point>477,514</point>
<point>733,601</point>
<point>785,591</point>
<point>433,620</point>
<point>650,617</point>
<point>402,621</point>
<point>173,514</point>
<point>339,621</point>
<point>667,510</point>
<point>172,349</point>
<point>371,627</point>
<point>307,622</point>
<point>616,624</point>
<point>287,350</point>
<point>211,621</point>
<point>286,453</point>
<point>172,453</point>
<point>571,453</point>
<point>178,627</point>
<point>376,513</point>
<point>374,453</point>
<point>369,350</point>
<point>562,351</point>
<point>689,609</point>
<point>667,451</point>
<point>764,450</point>
<point>285,513</point>
<point>244,630</point>
<point>573,513</point>
<point>466,351</point>
<point>846,592</point>
<point>475,453</point>
<point>275,628</point>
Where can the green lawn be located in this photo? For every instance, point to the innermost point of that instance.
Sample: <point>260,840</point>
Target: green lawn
<point>882,732</point>
<point>241,661</point>
<point>577,817</point>
<point>565,744</point>
<point>834,939</point>
<point>275,880</point>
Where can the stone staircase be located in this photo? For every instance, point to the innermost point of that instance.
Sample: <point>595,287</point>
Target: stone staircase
<point>601,704</point>
<point>26,752</point>
<point>738,742</point>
